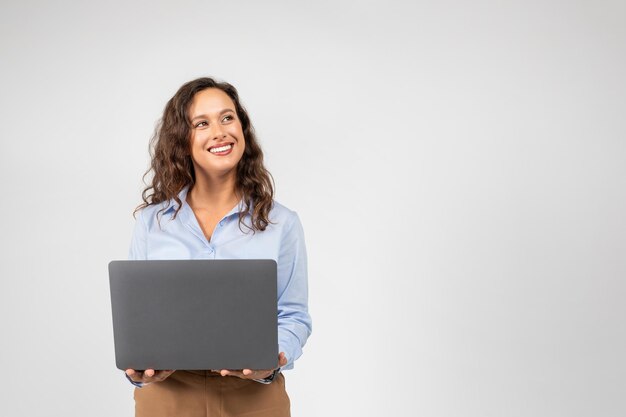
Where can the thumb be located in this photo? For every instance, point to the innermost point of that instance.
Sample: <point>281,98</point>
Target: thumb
<point>282,359</point>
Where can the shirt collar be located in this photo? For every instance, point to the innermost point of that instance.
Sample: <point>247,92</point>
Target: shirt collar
<point>172,205</point>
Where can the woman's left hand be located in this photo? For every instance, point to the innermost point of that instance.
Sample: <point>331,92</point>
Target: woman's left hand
<point>255,374</point>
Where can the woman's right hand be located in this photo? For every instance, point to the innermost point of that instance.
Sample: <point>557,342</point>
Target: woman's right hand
<point>149,375</point>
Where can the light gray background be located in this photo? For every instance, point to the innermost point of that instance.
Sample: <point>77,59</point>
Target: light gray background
<point>459,168</point>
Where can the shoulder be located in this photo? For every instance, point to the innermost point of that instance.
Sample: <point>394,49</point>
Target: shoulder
<point>282,214</point>
<point>155,212</point>
<point>286,220</point>
<point>150,215</point>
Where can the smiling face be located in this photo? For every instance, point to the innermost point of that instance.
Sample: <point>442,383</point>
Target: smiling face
<point>217,140</point>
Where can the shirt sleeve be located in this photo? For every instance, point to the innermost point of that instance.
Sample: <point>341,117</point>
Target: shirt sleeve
<point>294,321</point>
<point>138,241</point>
<point>138,251</point>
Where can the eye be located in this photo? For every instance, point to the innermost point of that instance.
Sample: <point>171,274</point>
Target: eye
<point>228,118</point>
<point>200,124</point>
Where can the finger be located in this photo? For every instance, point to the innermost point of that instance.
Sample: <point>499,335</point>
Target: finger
<point>135,376</point>
<point>230,372</point>
<point>157,376</point>
<point>247,372</point>
<point>282,359</point>
<point>149,373</point>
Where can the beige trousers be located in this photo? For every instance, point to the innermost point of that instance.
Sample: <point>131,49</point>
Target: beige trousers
<point>208,394</point>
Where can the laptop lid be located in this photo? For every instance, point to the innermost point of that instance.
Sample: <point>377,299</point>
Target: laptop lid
<point>194,314</point>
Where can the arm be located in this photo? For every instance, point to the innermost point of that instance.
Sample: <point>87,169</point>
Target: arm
<point>294,321</point>
<point>138,251</point>
<point>139,240</point>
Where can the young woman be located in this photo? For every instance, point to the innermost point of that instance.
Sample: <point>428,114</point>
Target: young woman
<point>212,198</point>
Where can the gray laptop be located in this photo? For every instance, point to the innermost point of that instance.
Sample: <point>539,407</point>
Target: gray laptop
<point>194,314</point>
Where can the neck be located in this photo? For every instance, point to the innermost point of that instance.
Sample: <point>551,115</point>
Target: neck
<point>212,192</point>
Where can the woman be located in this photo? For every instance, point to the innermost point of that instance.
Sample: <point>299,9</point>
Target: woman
<point>212,198</point>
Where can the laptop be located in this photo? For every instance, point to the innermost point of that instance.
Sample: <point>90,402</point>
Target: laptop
<point>194,314</point>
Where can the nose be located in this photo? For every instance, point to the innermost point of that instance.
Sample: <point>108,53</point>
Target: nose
<point>217,132</point>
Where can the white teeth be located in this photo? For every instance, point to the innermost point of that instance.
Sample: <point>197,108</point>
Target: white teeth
<point>220,149</point>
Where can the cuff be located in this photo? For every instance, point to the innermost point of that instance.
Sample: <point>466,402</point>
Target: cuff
<point>270,378</point>
<point>135,383</point>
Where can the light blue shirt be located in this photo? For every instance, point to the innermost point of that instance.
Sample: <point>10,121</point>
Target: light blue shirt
<point>282,241</point>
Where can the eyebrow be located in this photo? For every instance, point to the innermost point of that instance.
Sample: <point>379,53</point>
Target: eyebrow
<point>204,116</point>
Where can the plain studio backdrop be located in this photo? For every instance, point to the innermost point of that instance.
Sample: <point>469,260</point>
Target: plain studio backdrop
<point>459,169</point>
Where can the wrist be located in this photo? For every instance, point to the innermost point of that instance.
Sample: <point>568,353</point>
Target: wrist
<point>138,384</point>
<point>269,378</point>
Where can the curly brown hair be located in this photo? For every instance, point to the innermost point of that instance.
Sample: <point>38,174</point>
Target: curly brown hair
<point>173,168</point>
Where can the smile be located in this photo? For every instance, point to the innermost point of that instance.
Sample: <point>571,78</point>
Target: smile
<point>221,149</point>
